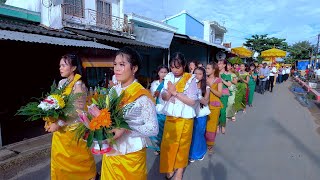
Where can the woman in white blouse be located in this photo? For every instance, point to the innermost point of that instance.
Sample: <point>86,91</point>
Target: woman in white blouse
<point>181,94</point>
<point>128,158</point>
<point>198,147</point>
<point>156,87</point>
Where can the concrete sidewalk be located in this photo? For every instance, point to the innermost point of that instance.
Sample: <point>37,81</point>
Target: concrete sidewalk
<point>17,157</point>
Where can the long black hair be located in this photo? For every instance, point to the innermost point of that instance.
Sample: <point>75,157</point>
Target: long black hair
<point>133,57</point>
<point>177,60</point>
<point>203,82</point>
<point>75,60</point>
<point>159,68</point>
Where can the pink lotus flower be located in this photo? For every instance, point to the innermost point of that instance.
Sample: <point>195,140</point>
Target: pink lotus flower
<point>94,110</point>
<point>83,118</point>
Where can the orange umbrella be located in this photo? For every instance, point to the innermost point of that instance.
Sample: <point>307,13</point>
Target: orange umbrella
<point>273,53</point>
<point>241,51</point>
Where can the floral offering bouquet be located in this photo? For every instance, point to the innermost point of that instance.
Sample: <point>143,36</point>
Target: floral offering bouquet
<point>58,103</point>
<point>106,113</point>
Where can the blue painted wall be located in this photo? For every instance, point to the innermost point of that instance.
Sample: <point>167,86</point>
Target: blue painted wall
<point>187,25</point>
<point>194,27</point>
<point>178,22</point>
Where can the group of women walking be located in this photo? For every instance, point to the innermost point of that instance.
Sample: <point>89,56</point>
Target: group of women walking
<point>192,108</point>
<point>180,117</point>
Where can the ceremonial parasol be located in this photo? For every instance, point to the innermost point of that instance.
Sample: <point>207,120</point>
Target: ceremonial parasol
<point>241,51</point>
<point>273,53</point>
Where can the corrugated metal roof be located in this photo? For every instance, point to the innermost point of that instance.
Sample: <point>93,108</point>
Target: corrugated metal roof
<point>200,41</point>
<point>36,38</point>
<point>105,37</point>
<point>36,29</point>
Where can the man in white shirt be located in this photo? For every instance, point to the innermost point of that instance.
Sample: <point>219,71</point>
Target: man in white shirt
<point>273,72</point>
<point>317,73</point>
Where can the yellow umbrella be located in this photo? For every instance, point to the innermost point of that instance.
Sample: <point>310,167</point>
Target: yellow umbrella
<point>241,51</point>
<point>273,53</point>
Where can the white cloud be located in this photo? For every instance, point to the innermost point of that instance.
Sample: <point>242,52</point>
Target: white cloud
<point>295,20</point>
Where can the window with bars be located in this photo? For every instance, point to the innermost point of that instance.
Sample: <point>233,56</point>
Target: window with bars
<point>104,13</point>
<point>74,8</point>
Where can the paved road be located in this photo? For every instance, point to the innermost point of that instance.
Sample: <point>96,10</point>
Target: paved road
<point>274,140</point>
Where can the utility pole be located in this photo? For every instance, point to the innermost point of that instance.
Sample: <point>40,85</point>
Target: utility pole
<point>317,51</point>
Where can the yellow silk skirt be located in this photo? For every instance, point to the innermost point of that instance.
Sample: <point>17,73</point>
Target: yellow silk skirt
<point>175,145</point>
<point>212,123</point>
<point>132,166</point>
<point>70,160</point>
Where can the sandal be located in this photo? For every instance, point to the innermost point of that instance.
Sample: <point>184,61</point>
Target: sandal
<point>210,150</point>
<point>157,153</point>
<point>168,178</point>
<point>223,130</point>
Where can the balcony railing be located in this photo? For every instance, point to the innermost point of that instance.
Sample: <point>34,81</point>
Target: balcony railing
<point>74,14</point>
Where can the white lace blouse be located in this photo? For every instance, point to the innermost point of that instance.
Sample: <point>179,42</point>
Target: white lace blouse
<point>175,107</point>
<point>142,119</point>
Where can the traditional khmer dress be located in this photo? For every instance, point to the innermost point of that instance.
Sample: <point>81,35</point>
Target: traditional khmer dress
<point>230,107</point>
<point>240,99</point>
<point>128,158</point>
<point>70,160</point>
<point>252,87</point>
<point>215,106</point>
<point>224,99</point>
<point>198,144</point>
<point>177,133</point>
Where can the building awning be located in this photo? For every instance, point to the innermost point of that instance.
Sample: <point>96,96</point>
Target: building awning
<point>106,37</point>
<point>182,36</point>
<point>37,38</point>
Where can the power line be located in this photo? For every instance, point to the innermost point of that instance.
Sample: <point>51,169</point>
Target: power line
<point>235,36</point>
<point>238,31</point>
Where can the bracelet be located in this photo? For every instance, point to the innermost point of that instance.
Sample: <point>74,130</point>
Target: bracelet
<point>61,123</point>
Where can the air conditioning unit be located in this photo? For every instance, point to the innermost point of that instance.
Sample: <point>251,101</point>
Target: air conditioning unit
<point>57,2</point>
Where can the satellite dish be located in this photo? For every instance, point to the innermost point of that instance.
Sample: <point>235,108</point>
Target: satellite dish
<point>221,55</point>
<point>46,3</point>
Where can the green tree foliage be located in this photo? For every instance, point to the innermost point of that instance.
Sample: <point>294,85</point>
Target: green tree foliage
<point>261,43</point>
<point>235,60</point>
<point>300,50</point>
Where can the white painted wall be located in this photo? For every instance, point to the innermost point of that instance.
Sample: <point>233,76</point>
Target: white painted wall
<point>211,34</point>
<point>32,5</point>
<point>52,16</point>
<point>206,31</point>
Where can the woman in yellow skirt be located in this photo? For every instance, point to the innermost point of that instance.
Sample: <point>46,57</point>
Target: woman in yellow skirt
<point>127,160</point>
<point>69,159</point>
<point>181,95</point>
<point>215,105</point>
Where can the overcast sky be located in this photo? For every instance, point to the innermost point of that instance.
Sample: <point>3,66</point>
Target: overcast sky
<point>294,20</point>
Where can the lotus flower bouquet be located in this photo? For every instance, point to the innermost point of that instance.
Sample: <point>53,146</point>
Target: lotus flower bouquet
<point>106,113</point>
<point>58,103</point>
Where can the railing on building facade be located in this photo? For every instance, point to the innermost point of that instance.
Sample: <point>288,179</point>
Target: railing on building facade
<point>76,14</point>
